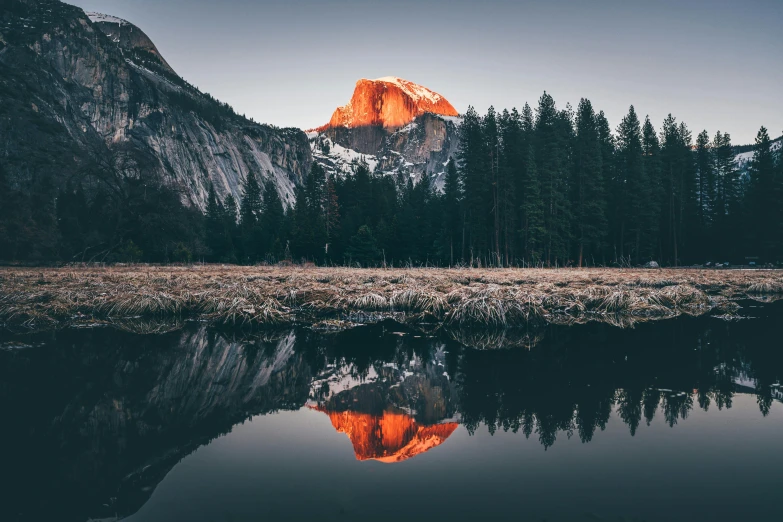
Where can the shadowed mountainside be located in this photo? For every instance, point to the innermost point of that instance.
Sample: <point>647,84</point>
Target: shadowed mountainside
<point>82,95</point>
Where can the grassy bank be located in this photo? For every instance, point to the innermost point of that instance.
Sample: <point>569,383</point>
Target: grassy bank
<point>339,297</point>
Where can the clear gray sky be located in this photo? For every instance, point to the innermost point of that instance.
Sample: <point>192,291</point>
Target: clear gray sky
<point>715,64</point>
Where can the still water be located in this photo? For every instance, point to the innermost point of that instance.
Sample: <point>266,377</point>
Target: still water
<point>678,420</point>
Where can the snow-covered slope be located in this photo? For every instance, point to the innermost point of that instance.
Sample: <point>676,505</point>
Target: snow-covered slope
<point>100,17</point>
<point>415,91</point>
<point>421,147</point>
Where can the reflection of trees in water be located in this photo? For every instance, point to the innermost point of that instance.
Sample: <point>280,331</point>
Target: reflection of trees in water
<point>570,380</point>
<point>103,414</point>
<point>574,378</point>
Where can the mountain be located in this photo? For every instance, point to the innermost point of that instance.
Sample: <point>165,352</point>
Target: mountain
<point>390,102</point>
<point>394,125</point>
<point>128,36</point>
<point>81,92</point>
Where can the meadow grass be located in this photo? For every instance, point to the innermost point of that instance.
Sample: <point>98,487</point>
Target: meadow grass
<point>459,298</point>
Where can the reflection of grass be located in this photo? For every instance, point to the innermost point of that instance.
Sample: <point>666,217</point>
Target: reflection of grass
<point>460,298</point>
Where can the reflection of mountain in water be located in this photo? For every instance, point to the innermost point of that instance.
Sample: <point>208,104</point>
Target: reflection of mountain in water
<point>393,410</point>
<point>389,437</point>
<point>99,417</point>
<point>105,415</point>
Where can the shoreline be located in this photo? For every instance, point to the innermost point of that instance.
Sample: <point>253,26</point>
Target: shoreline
<point>339,298</point>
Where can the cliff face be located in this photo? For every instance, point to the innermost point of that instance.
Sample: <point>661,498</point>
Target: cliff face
<point>390,102</point>
<point>77,88</point>
<point>395,126</point>
<point>127,36</point>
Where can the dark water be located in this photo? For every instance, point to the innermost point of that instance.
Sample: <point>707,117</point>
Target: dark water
<point>679,420</point>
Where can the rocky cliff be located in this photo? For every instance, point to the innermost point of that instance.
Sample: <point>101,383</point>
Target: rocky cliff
<point>395,126</point>
<point>390,102</point>
<point>77,89</point>
<point>127,36</point>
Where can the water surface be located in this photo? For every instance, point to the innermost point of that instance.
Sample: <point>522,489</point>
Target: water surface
<point>676,420</point>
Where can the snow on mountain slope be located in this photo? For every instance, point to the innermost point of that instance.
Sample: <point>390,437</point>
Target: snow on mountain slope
<point>414,90</point>
<point>100,17</point>
<point>395,126</point>
<point>421,147</point>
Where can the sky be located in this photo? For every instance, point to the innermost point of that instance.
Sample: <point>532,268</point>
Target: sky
<point>714,64</point>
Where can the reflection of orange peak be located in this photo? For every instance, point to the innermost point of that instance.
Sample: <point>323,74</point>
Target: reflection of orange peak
<point>391,102</point>
<point>391,437</point>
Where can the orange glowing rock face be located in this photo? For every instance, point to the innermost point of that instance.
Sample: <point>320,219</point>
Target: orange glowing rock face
<point>389,102</point>
<point>389,438</point>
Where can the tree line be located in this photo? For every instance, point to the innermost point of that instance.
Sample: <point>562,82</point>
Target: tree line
<point>540,187</point>
<point>557,187</point>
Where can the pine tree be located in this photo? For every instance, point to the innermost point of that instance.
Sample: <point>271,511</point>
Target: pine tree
<point>249,213</point>
<point>271,222</point>
<point>607,147</point>
<point>778,247</point>
<point>511,165</point>
<point>332,213</point>
<point>679,207</point>
<point>250,207</point>
<point>217,237</point>
<point>587,185</point>
<point>492,167</point>
<point>762,222</point>
<point>230,212</point>
<point>302,237</point>
<point>692,231</point>
<point>629,189</point>
<point>309,239</point>
<point>705,167</point>
<point>651,160</point>
<point>727,208</point>
<point>531,204</point>
<point>363,248</point>
<point>452,213</point>
<point>553,132</point>
<point>473,176</point>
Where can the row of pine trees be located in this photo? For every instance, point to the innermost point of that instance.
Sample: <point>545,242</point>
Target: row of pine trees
<point>540,187</point>
<point>558,187</point>
<point>543,187</point>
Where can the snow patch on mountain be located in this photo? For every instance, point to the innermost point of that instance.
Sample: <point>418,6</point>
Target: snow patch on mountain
<point>422,147</point>
<point>414,90</point>
<point>100,17</point>
<point>338,160</point>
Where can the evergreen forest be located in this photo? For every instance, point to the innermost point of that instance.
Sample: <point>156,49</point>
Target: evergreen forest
<point>538,187</point>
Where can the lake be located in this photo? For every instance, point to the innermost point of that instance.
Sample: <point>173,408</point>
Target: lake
<point>677,420</point>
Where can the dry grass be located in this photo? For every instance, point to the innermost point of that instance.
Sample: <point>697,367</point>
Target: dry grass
<point>462,298</point>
